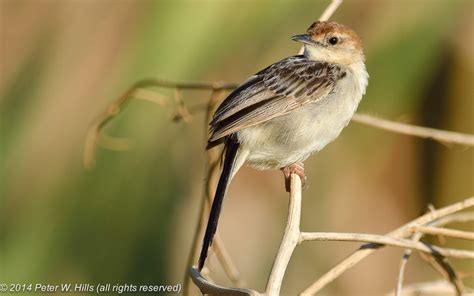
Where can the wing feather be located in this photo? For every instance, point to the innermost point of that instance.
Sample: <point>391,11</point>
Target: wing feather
<point>272,92</point>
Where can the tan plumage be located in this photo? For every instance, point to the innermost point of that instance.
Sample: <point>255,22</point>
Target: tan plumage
<point>274,91</point>
<point>289,110</point>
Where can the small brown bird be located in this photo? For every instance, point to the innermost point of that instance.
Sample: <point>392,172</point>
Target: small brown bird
<point>289,110</point>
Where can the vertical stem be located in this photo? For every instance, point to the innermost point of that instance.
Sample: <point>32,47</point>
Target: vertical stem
<point>290,239</point>
<point>212,170</point>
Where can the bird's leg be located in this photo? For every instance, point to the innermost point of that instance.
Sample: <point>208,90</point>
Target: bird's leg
<point>296,168</point>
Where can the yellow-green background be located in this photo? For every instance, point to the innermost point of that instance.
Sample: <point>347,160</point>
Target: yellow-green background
<point>130,220</point>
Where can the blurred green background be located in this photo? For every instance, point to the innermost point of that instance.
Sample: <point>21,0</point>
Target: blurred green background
<point>131,218</point>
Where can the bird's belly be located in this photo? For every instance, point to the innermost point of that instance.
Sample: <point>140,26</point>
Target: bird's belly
<point>291,138</point>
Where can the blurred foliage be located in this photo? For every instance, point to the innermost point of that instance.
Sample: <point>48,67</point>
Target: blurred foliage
<point>130,220</point>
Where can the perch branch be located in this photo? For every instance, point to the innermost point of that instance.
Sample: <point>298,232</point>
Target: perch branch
<point>290,239</point>
<point>281,262</point>
<point>94,137</point>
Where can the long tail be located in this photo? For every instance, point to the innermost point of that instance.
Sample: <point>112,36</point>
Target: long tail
<point>232,147</point>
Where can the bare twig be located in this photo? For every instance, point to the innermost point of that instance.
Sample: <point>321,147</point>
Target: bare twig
<point>468,235</point>
<point>454,218</point>
<point>439,287</point>
<point>368,249</point>
<point>442,136</point>
<point>450,273</point>
<point>209,288</point>
<point>293,236</point>
<point>94,130</point>
<point>384,240</point>
<point>329,11</point>
<point>442,266</point>
<point>437,254</point>
<point>227,263</point>
<point>290,239</point>
<point>212,163</point>
<point>406,255</point>
<point>212,169</point>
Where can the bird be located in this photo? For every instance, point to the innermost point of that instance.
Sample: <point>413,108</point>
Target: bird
<point>291,109</point>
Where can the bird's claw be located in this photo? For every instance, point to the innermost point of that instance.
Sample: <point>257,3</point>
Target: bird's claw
<point>296,168</point>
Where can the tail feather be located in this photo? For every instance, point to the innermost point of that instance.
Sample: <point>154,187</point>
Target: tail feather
<point>232,147</point>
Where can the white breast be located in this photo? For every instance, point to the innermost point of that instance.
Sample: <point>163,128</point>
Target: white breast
<point>291,138</point>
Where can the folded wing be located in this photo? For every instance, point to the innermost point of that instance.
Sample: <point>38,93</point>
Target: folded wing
<point>272,92</point>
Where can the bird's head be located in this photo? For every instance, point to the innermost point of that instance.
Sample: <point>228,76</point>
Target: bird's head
<point>331,42</point>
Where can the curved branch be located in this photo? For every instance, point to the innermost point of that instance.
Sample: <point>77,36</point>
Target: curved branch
<point>365,251</point>
<point>444,267</point>
<point>442,136</point>
<point>377,241</point>
<point>209,288</point>
<point>290,239</point>
<point>114,109</point>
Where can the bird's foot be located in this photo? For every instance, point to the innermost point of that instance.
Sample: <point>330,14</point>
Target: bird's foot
<point>296,168</point>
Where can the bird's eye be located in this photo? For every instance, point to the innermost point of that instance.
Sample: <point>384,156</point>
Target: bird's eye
<point>333,40</point>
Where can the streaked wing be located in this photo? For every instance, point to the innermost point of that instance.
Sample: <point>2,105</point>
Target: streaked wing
<point>272,92</point>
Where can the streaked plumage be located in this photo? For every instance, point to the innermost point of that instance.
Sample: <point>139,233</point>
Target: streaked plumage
<point>274,91</point>
<point>287,111</point>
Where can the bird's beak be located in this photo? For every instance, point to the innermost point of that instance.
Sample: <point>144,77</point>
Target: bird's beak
<point>304,38</point>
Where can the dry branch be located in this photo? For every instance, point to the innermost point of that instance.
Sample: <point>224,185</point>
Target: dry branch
<point>383,240</point>
<point>209,288</point>
<point>368,249</point>
<point>329,11</point>
<point>468,235</point>
<point>449,272</point>
<point>293,236</point>
<point>212,173</point>
<point>290,240</point>
<point>94,132</point>
<point>434,288</point>
<point>137,91</point>
<point>441,136</point>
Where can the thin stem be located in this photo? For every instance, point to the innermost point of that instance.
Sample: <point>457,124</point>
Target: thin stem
<point>329,11</point>
<point>467,235</point>
<point>366,250</point>
<point>209,288</point>
<point>227,263</point>
<point>442,136</point>
<point>386,241</point>
<point>290,239</point>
